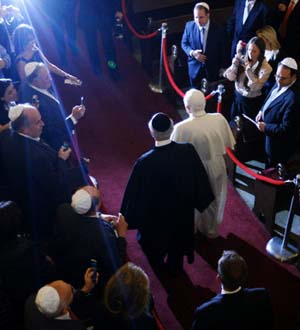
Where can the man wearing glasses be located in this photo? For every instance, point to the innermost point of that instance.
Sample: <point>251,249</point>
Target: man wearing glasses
<point>278,118</point>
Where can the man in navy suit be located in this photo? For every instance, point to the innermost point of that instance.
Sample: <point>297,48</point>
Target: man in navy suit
<point>235,308</point>
<point>248,16</point>
<point>37,89</point>
<point>203,41</point>
<point>279,116</point>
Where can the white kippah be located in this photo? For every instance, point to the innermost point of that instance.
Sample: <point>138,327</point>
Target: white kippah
<point>203,4</point>
<point>47,300</point>
<point>30,67</point>
<point>15,111</point>
<point>81,201</point>
<point>290,63</point>
<point>195,99</point>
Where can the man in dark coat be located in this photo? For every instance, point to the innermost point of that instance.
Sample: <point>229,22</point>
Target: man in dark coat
<point>84,234</point>
<point>37,89</point>
<point>38,177</point>
<point>289,29</point>
<point>166,184</point>
<point>248,16</point>
<point>207,50</point>
<point>235,308</point>
<point>50,309</point>
<point>279,117</point>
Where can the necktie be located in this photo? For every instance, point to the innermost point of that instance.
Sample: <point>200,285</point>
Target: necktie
<point>283,26</point>
<point>248,7</point>
<point>203,39</point>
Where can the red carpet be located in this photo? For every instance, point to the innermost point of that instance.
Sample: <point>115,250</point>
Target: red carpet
<point>113,134</point>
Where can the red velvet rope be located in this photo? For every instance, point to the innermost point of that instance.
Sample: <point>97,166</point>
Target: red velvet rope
<point>131,28</point>
<point>252,173</point>
<point>169,75</point>
<point>219,108</point>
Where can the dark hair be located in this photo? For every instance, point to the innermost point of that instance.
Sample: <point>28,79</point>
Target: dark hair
<point>10,221</point>
<point>4,84</point>
<point>232,269</point>
<point>21,36</point>
<point>260,44</point>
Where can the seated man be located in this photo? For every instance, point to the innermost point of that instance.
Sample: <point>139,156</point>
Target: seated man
<point>38,177</point>
<point>84,234</point>
<point>235,307</point>
<point>50,307</point>
<point>37,90</point>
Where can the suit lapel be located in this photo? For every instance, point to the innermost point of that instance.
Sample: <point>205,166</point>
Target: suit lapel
<point>253,14</point>
<point>197,33</point>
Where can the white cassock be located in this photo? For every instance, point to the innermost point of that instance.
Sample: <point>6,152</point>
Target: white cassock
<point>210,134</point>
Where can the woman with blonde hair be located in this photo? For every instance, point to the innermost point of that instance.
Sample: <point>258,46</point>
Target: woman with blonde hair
<point>127,301</point>
<point>273,53</point>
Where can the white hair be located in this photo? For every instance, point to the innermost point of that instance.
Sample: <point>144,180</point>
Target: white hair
<point>194,100</point>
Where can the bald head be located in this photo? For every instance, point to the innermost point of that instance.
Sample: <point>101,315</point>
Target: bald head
<point>65,292</point>
<point>96,198</point>
<point>28,121</point>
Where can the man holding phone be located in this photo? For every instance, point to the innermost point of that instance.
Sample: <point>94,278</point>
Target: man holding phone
<point>81,223</point>
<point>58,128</point>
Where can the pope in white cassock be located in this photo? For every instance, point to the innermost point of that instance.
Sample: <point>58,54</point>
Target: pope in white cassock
<point>210,134</point>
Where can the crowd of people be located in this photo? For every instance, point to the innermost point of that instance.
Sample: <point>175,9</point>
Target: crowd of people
<point>264,73</point>
<point>52,229</point>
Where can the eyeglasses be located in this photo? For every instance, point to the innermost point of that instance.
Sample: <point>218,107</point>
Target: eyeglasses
<point>280,77</point>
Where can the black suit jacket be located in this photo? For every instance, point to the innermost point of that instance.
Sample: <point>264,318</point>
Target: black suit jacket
<point>215,50</point>
<point>246,309</point>
<point>57,129</point>
<point>82,239</point>
<point>290,43</point>
<point>35,320</point>
<point>282,125</point>
<point>37,178</point>
<point>259,16</point>
<point>166,184</point>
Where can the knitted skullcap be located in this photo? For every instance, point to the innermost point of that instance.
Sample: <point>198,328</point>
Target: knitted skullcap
<point>30,67</point>
<point>81,201</point>
<point>47,300</point>
<point>290,63</point>
<point>16,111</point>
<point>203,4</point>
